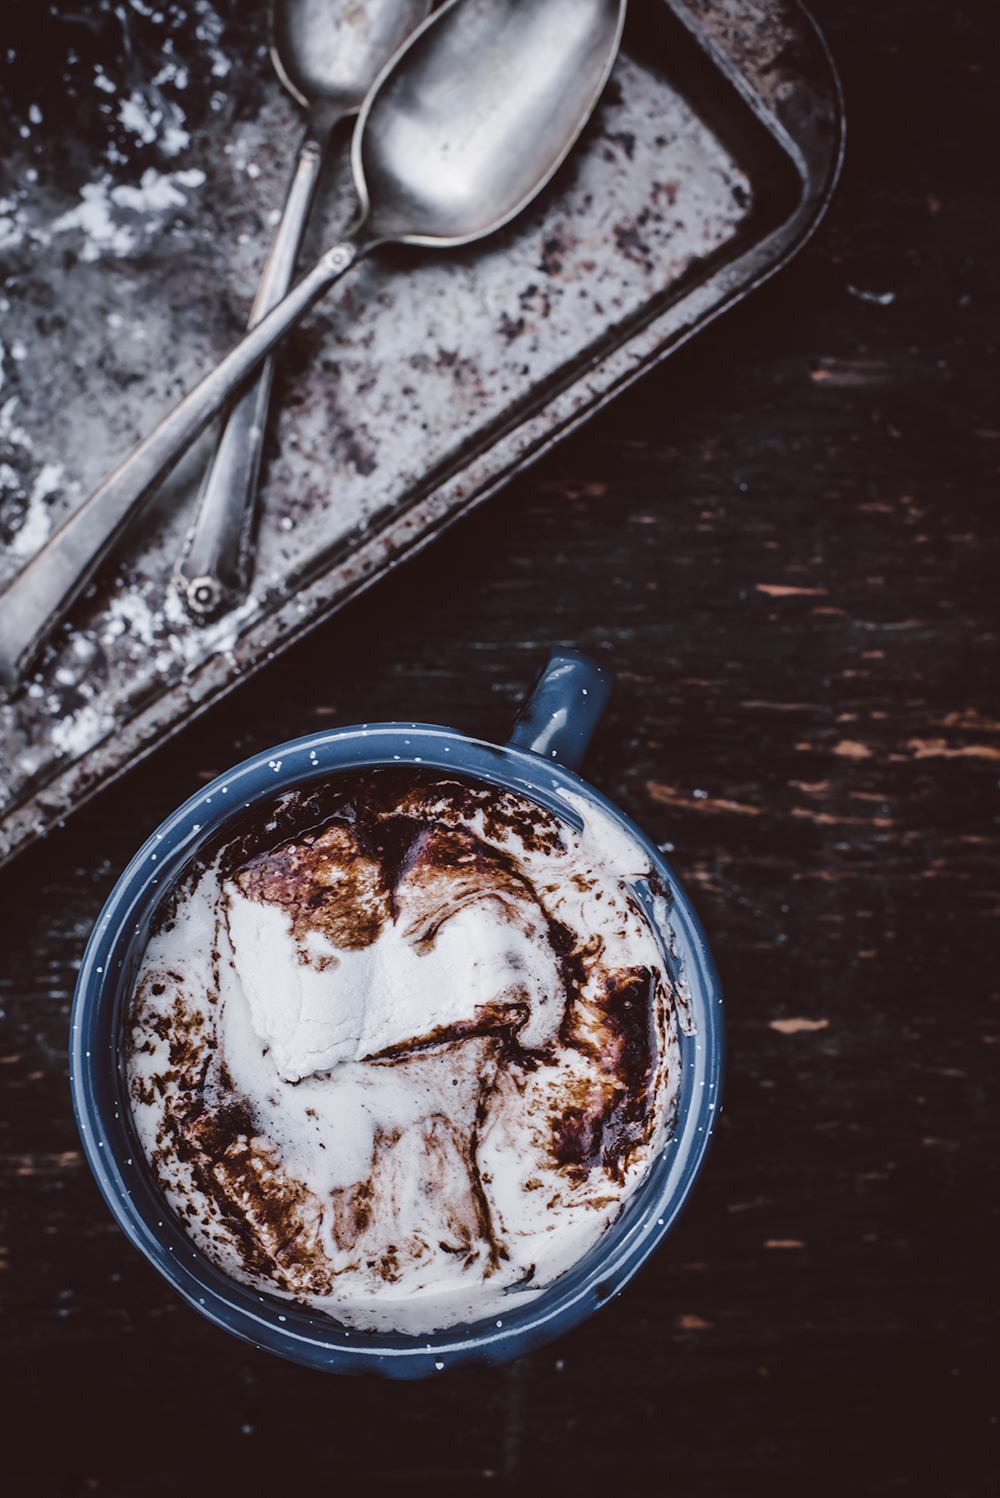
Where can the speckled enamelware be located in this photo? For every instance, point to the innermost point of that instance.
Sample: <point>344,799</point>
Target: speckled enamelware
<point>557,721</point>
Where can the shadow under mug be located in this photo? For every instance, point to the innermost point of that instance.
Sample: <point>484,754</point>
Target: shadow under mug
<point>548,741</point>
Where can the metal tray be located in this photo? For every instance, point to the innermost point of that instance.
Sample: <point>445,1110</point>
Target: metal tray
<point>411,395</point>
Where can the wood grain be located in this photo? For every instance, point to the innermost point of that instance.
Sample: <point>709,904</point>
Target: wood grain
<point>785,543</point>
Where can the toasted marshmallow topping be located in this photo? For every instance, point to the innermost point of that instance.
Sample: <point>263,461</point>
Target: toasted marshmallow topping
<point>410,1062</point>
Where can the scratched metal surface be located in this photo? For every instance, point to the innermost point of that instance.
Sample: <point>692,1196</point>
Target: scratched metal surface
<point>412,394</point>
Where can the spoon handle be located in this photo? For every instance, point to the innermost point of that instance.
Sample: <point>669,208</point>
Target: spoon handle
<point>42,592</point>
<point>211,570</point>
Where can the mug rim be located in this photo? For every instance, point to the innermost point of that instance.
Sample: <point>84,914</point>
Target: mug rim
<point>100,1097</point>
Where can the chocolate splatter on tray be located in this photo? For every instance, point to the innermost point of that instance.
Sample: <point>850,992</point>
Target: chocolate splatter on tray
<point>409,395</point>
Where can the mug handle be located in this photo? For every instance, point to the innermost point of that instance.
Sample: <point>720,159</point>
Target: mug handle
<point>564,707</point>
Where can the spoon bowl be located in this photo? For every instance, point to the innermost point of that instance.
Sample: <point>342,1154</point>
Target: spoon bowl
<point>482,110</point>
<point>329,52</point>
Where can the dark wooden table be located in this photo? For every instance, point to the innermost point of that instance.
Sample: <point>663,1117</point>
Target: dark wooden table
<point>784,542</point>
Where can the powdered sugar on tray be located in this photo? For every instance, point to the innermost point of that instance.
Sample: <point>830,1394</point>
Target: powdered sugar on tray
<point>130,261</point>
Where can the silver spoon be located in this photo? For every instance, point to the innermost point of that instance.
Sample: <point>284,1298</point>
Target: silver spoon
<point>458,134</point>
<point>328,54</point>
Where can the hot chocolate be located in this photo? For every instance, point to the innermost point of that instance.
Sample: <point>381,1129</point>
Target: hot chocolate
<point>401,1051</point>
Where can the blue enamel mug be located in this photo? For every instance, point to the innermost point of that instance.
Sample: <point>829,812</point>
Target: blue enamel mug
<point>538,763</point>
